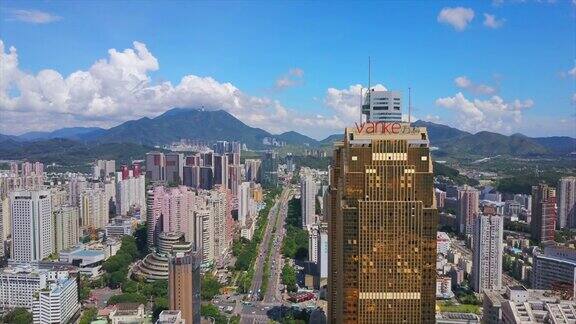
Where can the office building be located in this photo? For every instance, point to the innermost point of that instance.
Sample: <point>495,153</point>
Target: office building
<point>156,166</point>
<point>566,201</point>
<point>543,224</point>
<point>555,270</point>
<point>382,226</point>
<point>184,285</point>
<point>66,228</point>
<point>468,202</point>
<point>382,106</point>
<point>119,227</point>
<point>313,233</point>
<point>32,232</point>
<point>487,253</point>
<point>308,192</point>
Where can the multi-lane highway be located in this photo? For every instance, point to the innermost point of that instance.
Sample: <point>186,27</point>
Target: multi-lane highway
<point>255,311</point>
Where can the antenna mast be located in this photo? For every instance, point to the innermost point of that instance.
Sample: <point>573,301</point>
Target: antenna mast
<point>409,105</point>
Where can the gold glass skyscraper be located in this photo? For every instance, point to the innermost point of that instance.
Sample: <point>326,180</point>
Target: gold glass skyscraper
<point>382,226</point>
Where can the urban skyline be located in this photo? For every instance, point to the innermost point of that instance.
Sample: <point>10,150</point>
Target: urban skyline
<point>301,92</point>
<point>438,183</point>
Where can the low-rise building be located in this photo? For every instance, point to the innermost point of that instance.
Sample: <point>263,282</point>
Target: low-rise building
<point>127,313</point>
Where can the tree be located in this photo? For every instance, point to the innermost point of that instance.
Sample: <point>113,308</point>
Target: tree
<point>88,315</point>
<point>141,237</point>
<point>18,315</point>
<point>289,278</point>
<point>160,304</point>
<point>210,287</point>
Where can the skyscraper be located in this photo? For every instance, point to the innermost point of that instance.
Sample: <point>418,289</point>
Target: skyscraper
<point>32,238</point>
<point>382,106</point>
<point>66,228</point>
<point>184,285</point>
<point>487,253</point>
<point>382,226</point>
<point>174,168</point>
<point>543,224</point>
<point>156,166</point>
<point>221,170</point>
<point>308,198</point>
<point>566,201</point>
<point>468,200</point>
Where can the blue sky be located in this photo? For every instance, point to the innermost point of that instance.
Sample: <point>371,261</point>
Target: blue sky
<point>289,65</point>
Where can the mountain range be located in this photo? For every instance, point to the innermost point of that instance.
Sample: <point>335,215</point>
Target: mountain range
<point>179,123</point>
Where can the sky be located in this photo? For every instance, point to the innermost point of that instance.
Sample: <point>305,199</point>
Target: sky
<point>501,66</point>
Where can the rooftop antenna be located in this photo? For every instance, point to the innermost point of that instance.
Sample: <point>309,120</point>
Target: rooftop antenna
<point>409,105</point>
<point>369,72</point>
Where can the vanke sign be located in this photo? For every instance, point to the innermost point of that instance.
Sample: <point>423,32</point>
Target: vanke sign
<point>385,128</point>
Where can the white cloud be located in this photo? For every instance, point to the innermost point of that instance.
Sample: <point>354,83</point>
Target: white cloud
<point>465,83</point>
<point>491,21</point>
<point>457,17</point>
<point>572,72</point>
<point>493,114</point>
<point>119,88</point>
<point>290,79</point>
<point>33,16</point>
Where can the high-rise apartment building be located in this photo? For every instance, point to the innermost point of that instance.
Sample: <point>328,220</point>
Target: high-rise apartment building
<point>174,167</point>
<point>252,169</point>
<point>93,209</point>
<point>543,224</point>
<point>32,238</point>
<point>184,285</point>
<point>221,170</point>
<point>66,228</point>
<point>468,202</point>
<point>308,192</point>
<point>156,166</point>
<point>566,201</point>
<point>382,226</point>
<point>487,253</point>
<point>130,193</point>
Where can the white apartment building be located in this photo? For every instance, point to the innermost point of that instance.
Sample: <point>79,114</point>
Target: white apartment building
<point>18,285</point>
<point>57,303</point>
<point>32,236</point>
<point>244,200</point>
<point>313,234</point>
<point>130,193</point>
<point>66,227</point>
<point>308,191</point>
<point>487,253</point>
<point>322,258</point>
